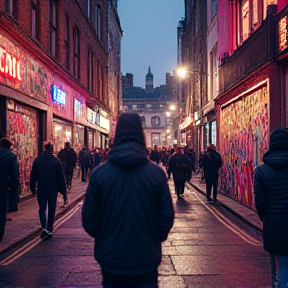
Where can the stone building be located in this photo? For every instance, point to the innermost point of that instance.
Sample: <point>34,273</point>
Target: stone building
<point>156,106</point>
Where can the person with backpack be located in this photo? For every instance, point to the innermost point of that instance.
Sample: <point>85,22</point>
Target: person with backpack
<point>84,162</point>
<point>180,168</point>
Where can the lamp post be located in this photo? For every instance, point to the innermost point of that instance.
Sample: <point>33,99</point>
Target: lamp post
<point>188,96</point>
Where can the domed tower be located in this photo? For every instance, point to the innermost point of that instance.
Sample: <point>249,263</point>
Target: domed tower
<point>149,81</point>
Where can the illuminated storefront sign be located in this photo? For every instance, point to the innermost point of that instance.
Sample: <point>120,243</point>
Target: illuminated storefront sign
<point>9,64</point>
<point>58,95</point>
<point>91,116</point>
<point>282,45</point>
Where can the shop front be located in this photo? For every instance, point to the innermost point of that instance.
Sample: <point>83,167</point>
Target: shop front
<point>62,133</point>
<point>244,132</point>
<point>23,129</point>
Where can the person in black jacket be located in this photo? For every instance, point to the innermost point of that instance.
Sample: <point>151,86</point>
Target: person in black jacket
<point>271,201</point>
<point>9,177</point>
<point>84,162</point>
<point>47,175</point>
<point>211,161</point>
<point>155,155</point>
<point>180,167</point>
<point>128,210</point>
<point>68,157</point>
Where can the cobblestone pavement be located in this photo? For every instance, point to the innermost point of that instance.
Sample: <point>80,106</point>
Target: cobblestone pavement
<point>202,250</point>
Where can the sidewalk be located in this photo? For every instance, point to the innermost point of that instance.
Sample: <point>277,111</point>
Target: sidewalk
<point>25,221</point>
<point>244,213</point>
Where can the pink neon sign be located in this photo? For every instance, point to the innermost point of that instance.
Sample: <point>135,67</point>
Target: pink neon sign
<point>9,64</point>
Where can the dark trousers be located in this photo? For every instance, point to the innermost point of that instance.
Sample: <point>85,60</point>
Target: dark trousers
<point>84,170</point>
<point>68,171</point>
<point>179,187</point>
<point>211,182</point>
<point>148,280</point>
<point>43,200</point>
<point>4,198</point>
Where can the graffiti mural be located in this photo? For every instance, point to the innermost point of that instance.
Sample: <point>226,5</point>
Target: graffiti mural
<point>244,127</point>
<point>22,129</point>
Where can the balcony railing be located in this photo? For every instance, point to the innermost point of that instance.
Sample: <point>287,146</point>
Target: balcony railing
<point>258,49</point>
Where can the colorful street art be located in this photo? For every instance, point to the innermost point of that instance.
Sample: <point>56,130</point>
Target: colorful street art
<point>22,129</point>
<point>244,127</point>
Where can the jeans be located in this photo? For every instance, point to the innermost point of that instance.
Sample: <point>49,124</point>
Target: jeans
<point>148,280</point>
<point>43,200</point>
<point>279,270</point>
<point>84,170</point>
<point>68,174</point>
<point>4,198</point>
<point>179,187</point>
<point>211,182</point>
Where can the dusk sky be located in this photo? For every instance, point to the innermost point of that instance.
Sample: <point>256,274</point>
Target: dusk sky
<point>150,38</point>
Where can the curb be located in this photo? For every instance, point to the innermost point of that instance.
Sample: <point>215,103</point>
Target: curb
<point>229,209</point>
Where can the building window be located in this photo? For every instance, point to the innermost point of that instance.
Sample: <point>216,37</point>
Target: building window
<point>213,8</point>
<point>90,71</point>
<point>67,42</point>
<point>169,121</point>
<point>245,12</point>
<point>35,20</point>
<point>11,7</point>
<point>76,52</point>
<point>53,27</point>
<point>155,121</point>
<point>97,20</point>
<point>213,74</point>
<point>100,80</point>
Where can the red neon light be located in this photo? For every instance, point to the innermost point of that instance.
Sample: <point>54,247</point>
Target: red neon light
<point>9,64</point>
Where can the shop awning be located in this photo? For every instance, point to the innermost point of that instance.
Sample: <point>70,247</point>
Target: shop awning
<point>186,123</point>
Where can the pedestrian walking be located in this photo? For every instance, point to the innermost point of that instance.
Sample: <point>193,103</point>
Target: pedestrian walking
<point>68,157</point>
<point>180,167</point>
<point>155,155</point>
<point>46,180</point>
<point>96,158</point>
<point>9,179</point>
<point>128,210</point>
<point>211,161</point>
<point>271,201</point>
<point>84,162</point>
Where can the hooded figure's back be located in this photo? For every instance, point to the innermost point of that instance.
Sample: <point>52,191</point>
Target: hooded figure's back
<point>128,206</point>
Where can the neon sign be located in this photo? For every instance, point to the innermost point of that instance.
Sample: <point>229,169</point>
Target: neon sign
<point>58,95</point>
<point>9,64</point>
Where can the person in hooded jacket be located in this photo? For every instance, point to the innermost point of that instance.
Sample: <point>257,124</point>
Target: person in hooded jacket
<point>271,202</point>
<point>9,177</point>
<point>211,162</point>
<point>128,210</point>
<point>46,180</point>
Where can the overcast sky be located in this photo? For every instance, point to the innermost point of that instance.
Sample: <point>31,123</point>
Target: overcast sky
<point>149,38</point>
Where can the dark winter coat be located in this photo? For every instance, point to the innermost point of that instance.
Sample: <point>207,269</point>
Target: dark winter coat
<point>84,158</point>
<point>180,167</point>
<point>48,174</point>
<point>271,198</point>
<point>155,156</point>
<point>9,169</point>
<point>211,162</point>
<point>68,157</point>
<point>128,207</point>
<point>9,177</point>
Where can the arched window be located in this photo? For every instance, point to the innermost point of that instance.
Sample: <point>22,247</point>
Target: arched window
<point>155,121</point>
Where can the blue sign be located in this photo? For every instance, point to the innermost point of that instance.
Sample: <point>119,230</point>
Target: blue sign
<point>58,95</point>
